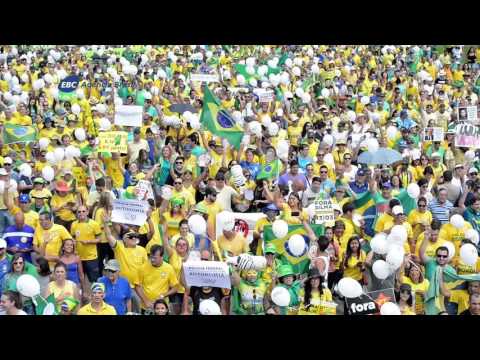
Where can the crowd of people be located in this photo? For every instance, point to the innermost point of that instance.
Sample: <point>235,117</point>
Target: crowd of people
<point>342,125</point>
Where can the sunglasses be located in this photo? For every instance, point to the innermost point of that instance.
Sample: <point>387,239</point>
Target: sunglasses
<point>178,162</point>
<point>323,172</point>
<point>110,271</point>
<point>347,158</point>
<point>422,206</point>
<point>442,256</point>
<point>18,263</point>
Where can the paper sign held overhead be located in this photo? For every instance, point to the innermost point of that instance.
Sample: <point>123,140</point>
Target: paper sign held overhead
<point>128,115</point>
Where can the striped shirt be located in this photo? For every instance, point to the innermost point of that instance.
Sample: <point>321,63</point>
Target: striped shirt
<point>441,212</point>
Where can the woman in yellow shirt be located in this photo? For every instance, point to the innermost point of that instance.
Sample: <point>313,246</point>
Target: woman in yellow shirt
<point>353,264</point>
<point>60,287</point>
<point>419,218</point>
<point>405,301</point>
<point>416,279</point>
<point>176,257</point>
<point>173,217</point>
<point>315,297</point>
<point>64,205</point>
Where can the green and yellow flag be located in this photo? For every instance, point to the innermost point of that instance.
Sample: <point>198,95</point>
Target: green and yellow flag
<point>218,121</point>
<point>18,134</point>
<point>269,171</point>
<point>300,263</point>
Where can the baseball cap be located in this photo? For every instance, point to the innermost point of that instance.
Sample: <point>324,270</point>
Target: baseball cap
<point>361,172</point>
<point>270,249</point>
<point>436,155</point>
<point>397,210</point>
<point>387,185</point>
<point>270,207</point>
<point>3,244</point>
<point>112,265</point>
<point>7,160</point>
<point>38,180</point>
<point>97,287</point>
<point>24,198</point>
<point>187,147</point>
<point>473,171</point>
<point>457,166</point>
<point>136,131</point>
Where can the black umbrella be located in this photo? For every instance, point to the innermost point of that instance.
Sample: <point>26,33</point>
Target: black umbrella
<point>181,108</point>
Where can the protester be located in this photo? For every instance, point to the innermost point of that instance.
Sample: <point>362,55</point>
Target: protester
<point>335,144</point>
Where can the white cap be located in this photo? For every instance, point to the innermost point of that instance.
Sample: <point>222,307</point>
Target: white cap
<point>472,170</point>
<point>3,244</point>
<point>397,210</point>
<point>7,160</point>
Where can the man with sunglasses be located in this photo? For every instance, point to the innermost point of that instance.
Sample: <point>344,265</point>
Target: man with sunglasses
<point>86,233</point>
<point>118,292</point>
<point>179,192</point>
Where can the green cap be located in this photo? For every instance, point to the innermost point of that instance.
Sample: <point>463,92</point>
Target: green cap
<point>177,201</point>
<point>270,249</point>
<point>285,270</point>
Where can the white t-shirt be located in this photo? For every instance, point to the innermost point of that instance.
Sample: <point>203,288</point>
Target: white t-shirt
<point>224,197</point>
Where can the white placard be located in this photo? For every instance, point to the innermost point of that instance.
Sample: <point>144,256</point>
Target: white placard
<point>207,273</point>
<point>128,115</point>
<point>250,218</point>
<point>204,77</point>
<point>266,97</point>
<point>144,187</point>
<point>467,113</point>
<point>323,211</point>
<point>133,212</point>
<point>433,134</point>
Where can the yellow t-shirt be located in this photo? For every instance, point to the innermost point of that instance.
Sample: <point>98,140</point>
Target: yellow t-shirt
<point>130,260</point>
<point>351,268</point>
<point>416,219</point>
<point>42,194</point>
<point>31,217</point>
<point>449,233</point>
<point>431,247</point>
<point>317,303</point>
<point>104,310</point>
<point>86,231</point>
<point>177,262</point>
<point>462,298</point>
<point>186,196</point>
<point>464,269</point>
<point>56,234</point>
<point>236,246</point>
<point>98,217</point>
<point>382,221</point>
<point>259,230</point>
<point>64,214</point>
<point>115,171</point>
<point>173,223</point>
<point>156,281</point>
<point>190,240</point>
<point>418,288</point>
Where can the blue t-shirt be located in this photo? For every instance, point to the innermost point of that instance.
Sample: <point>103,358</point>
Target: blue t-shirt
<point>303,162</point>
<point>254,168</point>
<point>358,189</point>
<point>117,294</point>
<point>21,238</point>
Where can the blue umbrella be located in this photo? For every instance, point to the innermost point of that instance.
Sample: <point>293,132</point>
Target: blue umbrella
<point>382,156</point>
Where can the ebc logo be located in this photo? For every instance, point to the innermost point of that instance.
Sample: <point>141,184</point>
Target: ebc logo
<point>69,84</point>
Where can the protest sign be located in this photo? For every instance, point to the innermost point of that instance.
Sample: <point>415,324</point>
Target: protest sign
<point>267,96</point>
<point>467,135</point>
<point>113,141</point>
<point>128,115</point>
<point>370,303</point>
<point>244,223</point>
<point>144,188</point>
<point>204,77</point>
<point>79,175</point>
<point>322,308</point>
<point>207,273</point>
<point>433,134</point>
<point>323,211</point>
<point>467,113</point>
<point>133,212</point>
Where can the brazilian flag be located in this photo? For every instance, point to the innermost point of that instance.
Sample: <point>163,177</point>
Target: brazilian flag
<point>218,121</point>
<point>269,171</point>
<point>18,134</point>
<point>300,263</point>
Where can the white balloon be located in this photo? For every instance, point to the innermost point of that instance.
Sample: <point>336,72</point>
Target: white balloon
<point>390,308</point>
<point>379,244</point>
<point>266,121</point>
<point>365,100</point>
<point>296,71</point>
<point>469,254</point>
<point>400,232</point>
<point>80,95</point>
<point>54,93</point>
<point>7,96</point>
<point>237,116</point>
<point>250,70</point>
<point>262,70</point>
<point>381,269</point>
<point>80,134</point>
<point>395,257</point>
<point>349,288</point>
<point>28,285</point>
<point>76,109</point>
<point>280,229</point>
<point>280,296</point>
<point>273,129</point>
<point>413,190</point>
<point>209,307</point>
<point>240,79</point>
<point>59,154</point>
<point>325,92</point>
<point>299,92</point>
<point>250,61</point>
<point>392,132</point>
<point>472,235</point>
<point>306,98</point>
<point>26,170</point>
<point>282,146</point>
<point>315,69</point>
<point>289,62</point>
<point>451,249</point>
<point>372,145</point>
<point>101,108</point>
<point>328,139</point>
<point>470,155</point>
<point>285,78</point>
<point>166,193</point>
<point>50,156</point>
<point>48,78</point>
<point>14,81</point>
<point>297,245</point>
<point>457,221</point>
<point>70,152</point>
<point>43,143</point>
<point>7,76</point>
<point>24,77</point>
<point>253,82</point>
<point>197,224</point>
<point>48,173</point>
